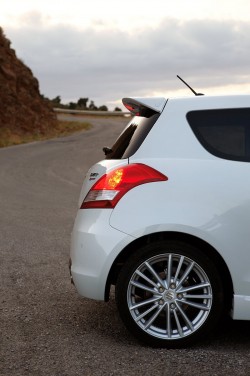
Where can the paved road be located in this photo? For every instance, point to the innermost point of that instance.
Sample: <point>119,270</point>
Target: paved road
<point>46,328</point>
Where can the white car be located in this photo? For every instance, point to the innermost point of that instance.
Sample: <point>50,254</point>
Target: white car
<point>165,217</point>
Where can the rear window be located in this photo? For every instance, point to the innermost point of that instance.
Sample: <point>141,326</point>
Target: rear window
<point>132,137</point>
<point>224,133</point>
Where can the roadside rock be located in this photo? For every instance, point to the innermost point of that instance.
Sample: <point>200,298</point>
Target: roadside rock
<point>23,109</point>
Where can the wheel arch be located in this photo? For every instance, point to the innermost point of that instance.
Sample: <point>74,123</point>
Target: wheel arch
<point>206,248</point>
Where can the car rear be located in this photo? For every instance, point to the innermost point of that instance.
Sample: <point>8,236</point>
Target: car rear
<point>95,243</point>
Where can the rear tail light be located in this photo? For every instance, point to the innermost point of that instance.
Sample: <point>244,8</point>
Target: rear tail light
<point>110,188</point>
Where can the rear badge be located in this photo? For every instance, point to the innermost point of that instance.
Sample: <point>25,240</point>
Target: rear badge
<point>93,176</point>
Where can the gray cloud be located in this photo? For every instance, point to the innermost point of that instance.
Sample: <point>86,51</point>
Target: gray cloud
<point>109,64</point>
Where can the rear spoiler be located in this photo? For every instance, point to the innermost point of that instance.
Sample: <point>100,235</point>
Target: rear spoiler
<point>144,106</point>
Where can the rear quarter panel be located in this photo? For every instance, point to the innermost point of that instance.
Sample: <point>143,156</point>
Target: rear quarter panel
<point>213,206</point>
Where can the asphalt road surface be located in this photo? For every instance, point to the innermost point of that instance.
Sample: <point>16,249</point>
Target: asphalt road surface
<point>45,327</point>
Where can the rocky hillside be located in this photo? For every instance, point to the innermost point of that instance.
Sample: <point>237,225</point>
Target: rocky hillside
<point>22,108</point>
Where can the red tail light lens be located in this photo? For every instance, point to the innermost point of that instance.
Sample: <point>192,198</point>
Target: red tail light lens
<point>110,188</point>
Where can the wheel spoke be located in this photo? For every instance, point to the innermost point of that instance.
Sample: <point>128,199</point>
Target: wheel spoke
<point>186,273</point>
<point>150,321</point>
<point>145,302</point>
<point>153,272</point>
<point>168,319</point>
<point>179,328</point>
<point>169,270</point>
<point>186,319</point>
<point>142,287</point>
<point>202,307</point>
<point>146,278</point>
<point>195,287</point>
<point>138,318</point>
<point>205,296</point>
<point>178,268</point>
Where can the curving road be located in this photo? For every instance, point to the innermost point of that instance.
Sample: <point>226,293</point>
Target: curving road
<point>45,327</point>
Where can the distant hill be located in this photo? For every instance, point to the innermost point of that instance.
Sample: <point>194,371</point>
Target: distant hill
<point>22,108</point>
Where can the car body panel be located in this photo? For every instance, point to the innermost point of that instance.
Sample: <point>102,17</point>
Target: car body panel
<point>94,247</point>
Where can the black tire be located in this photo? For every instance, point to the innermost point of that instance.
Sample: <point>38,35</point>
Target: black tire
<point>162,302</point>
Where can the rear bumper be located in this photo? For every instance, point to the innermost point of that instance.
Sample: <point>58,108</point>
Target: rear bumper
<point>94,247</point>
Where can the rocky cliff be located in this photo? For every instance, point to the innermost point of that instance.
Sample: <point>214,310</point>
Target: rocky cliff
<point>22,108</point>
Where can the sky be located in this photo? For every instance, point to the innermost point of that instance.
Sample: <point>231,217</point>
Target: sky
<point>107,49</point>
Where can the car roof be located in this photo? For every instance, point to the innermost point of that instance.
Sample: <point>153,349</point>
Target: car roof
<point>210,101</point>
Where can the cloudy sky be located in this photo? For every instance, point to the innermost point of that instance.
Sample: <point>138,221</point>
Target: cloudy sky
<point>109,49</point>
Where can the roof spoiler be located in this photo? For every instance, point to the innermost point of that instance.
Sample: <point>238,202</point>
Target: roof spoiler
<point>145,107</point>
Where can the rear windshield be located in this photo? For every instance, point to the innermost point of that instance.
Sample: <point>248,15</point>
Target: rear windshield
<point>224,133</point>
<point>132,137</point>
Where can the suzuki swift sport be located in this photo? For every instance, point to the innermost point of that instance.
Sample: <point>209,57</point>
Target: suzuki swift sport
<point>165,218</point>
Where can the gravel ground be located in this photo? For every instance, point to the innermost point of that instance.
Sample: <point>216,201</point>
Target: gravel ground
<point>46,328</point>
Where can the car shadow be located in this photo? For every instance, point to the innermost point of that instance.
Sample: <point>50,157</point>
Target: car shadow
<point>103,319</point>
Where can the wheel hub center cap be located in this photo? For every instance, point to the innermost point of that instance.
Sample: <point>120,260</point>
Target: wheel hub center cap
<point>168,295</point>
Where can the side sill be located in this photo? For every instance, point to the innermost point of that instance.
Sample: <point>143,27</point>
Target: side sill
<point>241,307</point>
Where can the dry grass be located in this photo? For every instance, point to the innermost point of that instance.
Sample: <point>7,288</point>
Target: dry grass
<point>63,128</point>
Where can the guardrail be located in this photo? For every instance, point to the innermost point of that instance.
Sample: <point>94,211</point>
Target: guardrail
<point>89,112</point>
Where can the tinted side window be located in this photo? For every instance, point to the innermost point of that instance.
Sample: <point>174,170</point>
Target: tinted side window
<point>224,133</point>
<point>132,137</point>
